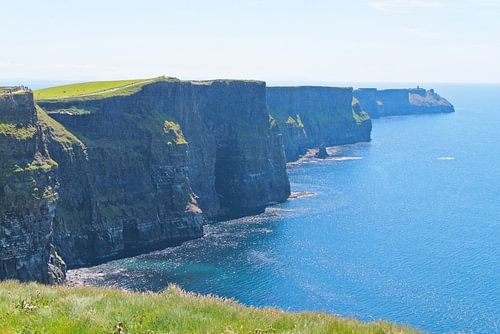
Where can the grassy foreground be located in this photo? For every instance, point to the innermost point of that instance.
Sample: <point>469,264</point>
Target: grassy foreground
<point>34,308</point>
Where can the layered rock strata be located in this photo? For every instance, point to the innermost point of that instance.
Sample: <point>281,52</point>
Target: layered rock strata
<point>28,193</point>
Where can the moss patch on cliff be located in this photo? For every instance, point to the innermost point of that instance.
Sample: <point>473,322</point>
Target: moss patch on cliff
<point>360,117</point>
<point>38,163</point>
<point>17,132</point>
<point>173,129</point>
<point>290,121</point>
<point>297,123</point>
<point>32,308</point>
<point>272,122</point>
<point>358,113</point>
<point>11,167</point>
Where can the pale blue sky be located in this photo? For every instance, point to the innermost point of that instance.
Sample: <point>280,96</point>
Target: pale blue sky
<point>294,41</point>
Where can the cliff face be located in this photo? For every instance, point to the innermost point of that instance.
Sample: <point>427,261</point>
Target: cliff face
<point>250,166</point>
<point>28,194</point>
<point>137,171</point>
<point>392,102</point>
<point>312,116</point>
<point>124,179</point>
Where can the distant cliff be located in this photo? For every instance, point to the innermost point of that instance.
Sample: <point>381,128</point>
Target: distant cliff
<point>137,171</point>
<point>393,102</point>
<point>28,193</point>
<point>312,116</point>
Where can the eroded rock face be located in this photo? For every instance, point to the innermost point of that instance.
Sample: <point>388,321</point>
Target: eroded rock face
<point>395,102</point>
<point>250,166</point>
<point>311,116</point>
<point>137,171</point>
<point>28,194</point>
<point>124,179</point>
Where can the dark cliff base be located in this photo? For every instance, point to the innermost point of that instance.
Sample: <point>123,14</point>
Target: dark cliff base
<point>130,252</point>
<point>396,102</point>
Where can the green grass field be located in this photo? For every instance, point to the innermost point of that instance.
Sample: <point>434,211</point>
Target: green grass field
<point>33,308</point>
<point>87,88</point>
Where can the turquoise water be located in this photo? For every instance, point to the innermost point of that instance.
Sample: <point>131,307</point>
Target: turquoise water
<point>405,228</point>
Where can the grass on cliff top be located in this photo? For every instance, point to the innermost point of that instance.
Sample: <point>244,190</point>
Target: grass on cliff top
<point>82,88</point>
<point>96,89</point>
<point>33,308</point>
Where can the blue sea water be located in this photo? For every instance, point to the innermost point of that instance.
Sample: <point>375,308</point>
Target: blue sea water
<point>405,228</point>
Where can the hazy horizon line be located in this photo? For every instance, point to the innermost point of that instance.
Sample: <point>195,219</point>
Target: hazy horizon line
<point>271,82</point>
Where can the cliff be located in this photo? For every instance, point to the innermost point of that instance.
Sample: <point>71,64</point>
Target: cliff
<point>250,167</point>
<point>142,170</point>
<point>123,181</point>
<point>313,116</point>
<point>131,169</point>
<point>392,102</point>
<point>28,193</point>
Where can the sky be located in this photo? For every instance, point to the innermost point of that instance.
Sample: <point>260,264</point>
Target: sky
<point>280,41</point>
